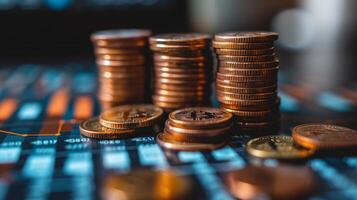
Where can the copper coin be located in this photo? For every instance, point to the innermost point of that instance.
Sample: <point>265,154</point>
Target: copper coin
<point>121,34</point>
<point>178,99</point>
<point>120,63</point>
<point>281,182</point>
<point>324,136</point>
<point>236,78</point>
<point>180,70</point>
<point>253,107</point>
<point>93,129</point>
<point>200,117</point>
<point>131,116</point>
<point>256,52</point>
<point>261,58</point>
<point>189,83</point>
<point>194,77</point>
<point>249,65</point>
<point>239,102</point>
<point>208,132</point>
<point>261,113</point>
<point>180,38</point>
<point>120,44</point>
<point>248,72</point>
<point>177,48</point>
<point>242,90</point>
<point>174,93</point>
<point>169,106</point>
<point>242,46</point>
<point>125,69</point>
<point>255,96</point>
<point>117,51</point>
<point>128,57</point>
<point>113,75</point>
<point>253,84</point>
<point>168,142</point>
<point>175,64</point>
<point>163,58</point>
<point>246,37</point>
<point>179,88</point>
<point>193,138</point>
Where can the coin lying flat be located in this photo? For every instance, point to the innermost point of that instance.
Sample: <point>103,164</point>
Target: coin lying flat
<point>197,132</point>
<point>93,129</point>
<point>196,117</point>
<point>243,37</point>
<point>278,147</point>
<point>146,184</point>
<point>131,116</point>
<point>121,34</point>
<point>167,141</point>
<point>245,52</point>
<point>282,182</point>
<point>324,136</point>
<point>180,38</point>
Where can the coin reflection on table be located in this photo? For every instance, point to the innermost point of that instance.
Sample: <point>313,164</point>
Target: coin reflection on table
<point>282,182</point>
<point>147,184</point>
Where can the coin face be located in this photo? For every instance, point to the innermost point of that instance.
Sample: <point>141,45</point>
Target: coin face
<point>131,116</point>
<point>200,117</point>
<point>246,36</point>
<point>278,147</point>
<point>93,129</point>
<point>120,34</point>
<point>163,185</point>
<point>324,136</point>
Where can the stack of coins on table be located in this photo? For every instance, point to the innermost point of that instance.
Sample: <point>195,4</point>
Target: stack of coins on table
<point>182,70</point>
<point>122,122</point>
<point>195,129</point>
<point>121,59</point>
<point>246,81</point>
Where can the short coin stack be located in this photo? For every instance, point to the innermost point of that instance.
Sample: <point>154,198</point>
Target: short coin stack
<point>122,121</point>
<point>196,128</point>
<point>182,70</point>
<point>246,81</point>
<point>121,59</point>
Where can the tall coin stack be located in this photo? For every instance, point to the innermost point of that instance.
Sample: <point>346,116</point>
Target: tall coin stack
<point>246,81</point>
<point>182,70</point>
<point>121,59</point>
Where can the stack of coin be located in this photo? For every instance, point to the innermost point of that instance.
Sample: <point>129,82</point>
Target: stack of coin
<point>122,121</point>
<point>196,128</point>
<point>121,59</point>
<point>182,70</point>
<point>246,81</point>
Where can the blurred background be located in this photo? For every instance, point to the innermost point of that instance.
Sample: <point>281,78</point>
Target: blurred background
<point>316,45</point>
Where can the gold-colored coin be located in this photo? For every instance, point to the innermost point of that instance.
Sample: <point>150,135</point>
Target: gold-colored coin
<point>278,147</point>
<point>324,136</point>
<point>246,37</point>
<point>168,141</point>
<point>256,52</point>
<point>242,46</point>
<point>145,184</point>
<point>131,116</point>
<point>200,117</point>
<point>261,58</point>
<point>93,129</point>
<point>240,102</point>
<point>240,113</point>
